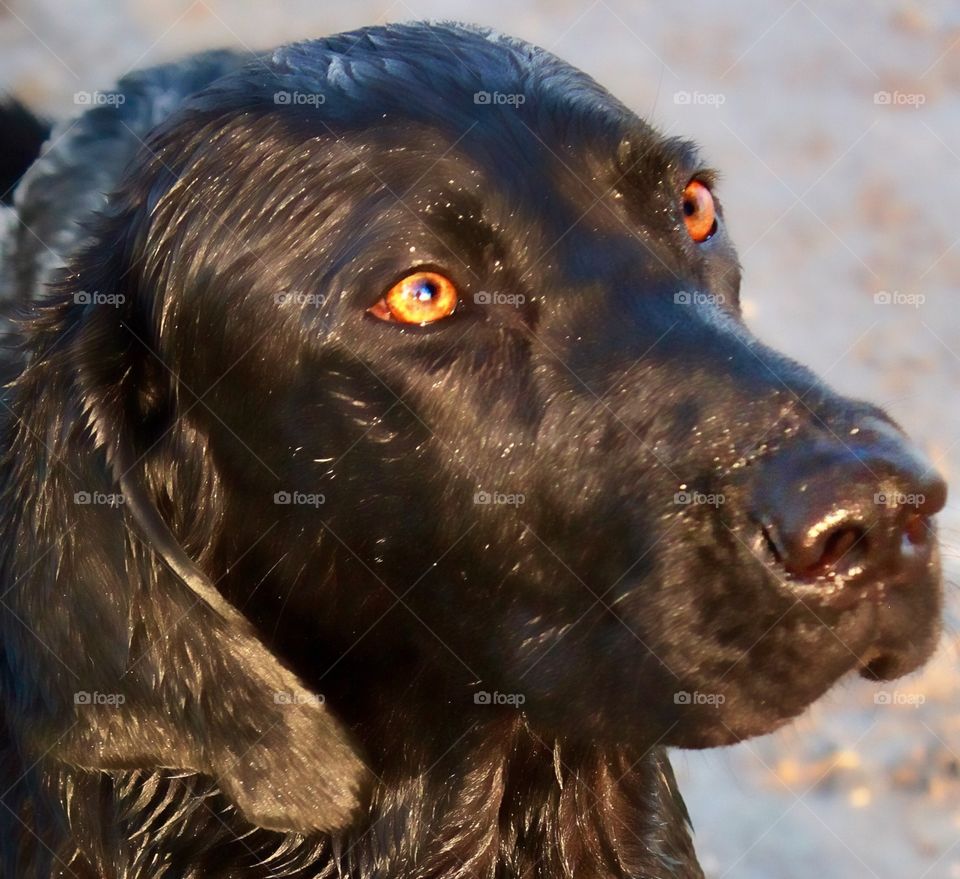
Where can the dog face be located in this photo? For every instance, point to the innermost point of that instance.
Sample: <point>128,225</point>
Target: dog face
<point>588,463</point>
<point>469,387</point>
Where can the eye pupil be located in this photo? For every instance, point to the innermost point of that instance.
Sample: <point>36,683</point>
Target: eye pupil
<point>425,291</point>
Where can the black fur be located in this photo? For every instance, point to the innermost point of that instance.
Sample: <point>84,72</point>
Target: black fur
<point>235,360</point>
<point>23,135</point>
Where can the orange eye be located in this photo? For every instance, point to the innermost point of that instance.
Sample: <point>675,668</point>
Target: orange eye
<point>699,212</point>
<point>420,298</point>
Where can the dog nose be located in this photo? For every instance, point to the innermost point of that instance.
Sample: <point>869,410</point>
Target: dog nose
<point>855,506</point>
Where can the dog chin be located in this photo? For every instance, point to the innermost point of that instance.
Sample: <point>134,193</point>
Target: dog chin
<point>727,731</point>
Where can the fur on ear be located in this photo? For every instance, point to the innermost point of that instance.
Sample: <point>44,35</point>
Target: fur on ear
<point>117,649</point>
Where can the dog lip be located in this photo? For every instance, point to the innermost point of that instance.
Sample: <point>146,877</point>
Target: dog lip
<point>879,664</point>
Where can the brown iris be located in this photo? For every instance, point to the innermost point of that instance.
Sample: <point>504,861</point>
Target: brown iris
<point>699,211</point>
<point>421,297</point>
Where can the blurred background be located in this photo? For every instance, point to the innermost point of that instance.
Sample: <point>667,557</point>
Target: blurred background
<point>837,128</point>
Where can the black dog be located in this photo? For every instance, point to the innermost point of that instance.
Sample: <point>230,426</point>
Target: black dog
<point>405,367</point>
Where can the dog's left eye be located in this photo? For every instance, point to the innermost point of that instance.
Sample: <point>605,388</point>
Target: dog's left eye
<point>699,211</point>
<point>421,298</point>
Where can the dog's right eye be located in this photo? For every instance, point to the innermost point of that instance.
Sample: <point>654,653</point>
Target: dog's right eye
<point>421,298</point>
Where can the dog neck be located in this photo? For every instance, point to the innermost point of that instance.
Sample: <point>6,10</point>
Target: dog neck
<point>510,804</point>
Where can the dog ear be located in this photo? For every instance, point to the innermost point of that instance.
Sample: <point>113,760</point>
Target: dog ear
<point>117,649</point>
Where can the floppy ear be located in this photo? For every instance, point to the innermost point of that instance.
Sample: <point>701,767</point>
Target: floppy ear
<point>117,649</point>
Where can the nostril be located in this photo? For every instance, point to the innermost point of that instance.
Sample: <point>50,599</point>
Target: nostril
<point>838,550</point>
<point>917,529</point>
<point>843,550</point>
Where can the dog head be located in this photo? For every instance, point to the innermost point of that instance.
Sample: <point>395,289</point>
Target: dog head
<point>448,341</point>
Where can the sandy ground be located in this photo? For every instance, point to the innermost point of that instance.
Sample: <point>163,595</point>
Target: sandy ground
<point>834,196</point>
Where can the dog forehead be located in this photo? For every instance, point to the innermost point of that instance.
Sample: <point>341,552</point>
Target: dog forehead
<point>483,96</point>
<point>450,76</point>
<point>444,58</point>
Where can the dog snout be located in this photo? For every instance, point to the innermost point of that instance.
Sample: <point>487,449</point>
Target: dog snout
<point>854,507</point>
